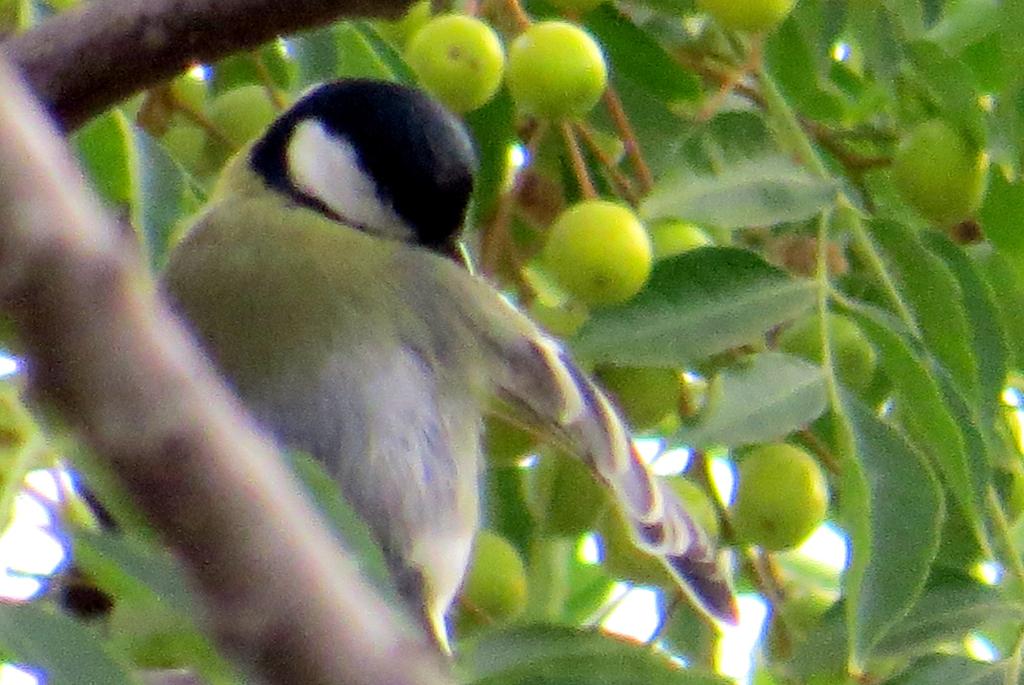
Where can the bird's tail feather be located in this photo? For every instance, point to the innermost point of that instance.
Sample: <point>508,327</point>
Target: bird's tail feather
<point>571,408</point>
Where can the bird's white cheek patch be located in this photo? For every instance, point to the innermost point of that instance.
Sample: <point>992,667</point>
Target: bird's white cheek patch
<point>326,168</point>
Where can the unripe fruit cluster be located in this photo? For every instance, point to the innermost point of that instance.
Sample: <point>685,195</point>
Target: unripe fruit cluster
<point>237,116</point>
<point>599,253</point>
<point>555,70</point>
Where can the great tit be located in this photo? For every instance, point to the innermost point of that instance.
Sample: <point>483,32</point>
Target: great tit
<point>319,279</point>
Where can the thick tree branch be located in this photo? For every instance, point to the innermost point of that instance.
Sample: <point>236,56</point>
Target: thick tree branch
<point>283,601</point>
<point>82,62</point>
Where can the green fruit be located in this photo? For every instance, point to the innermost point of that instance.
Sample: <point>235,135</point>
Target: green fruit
<point>186,144</point>
<point>645,395</point>
<point>505,444</point>
<point>190,92</point>
<point>556,70</point>
<point>399,32</point>
<point>747,15</point>
<point>853,356</point>
<point>495,587</point>
<point>781,497</point>
<point>458,59</point>
<point>598,252</point>
<point>242,114</point>
<point>567,499</point>
<point>623,559</point>
<point>671,237</point>
<point>939,173</point>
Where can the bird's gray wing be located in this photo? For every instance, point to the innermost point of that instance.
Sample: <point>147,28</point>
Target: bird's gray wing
<point>534,376</point>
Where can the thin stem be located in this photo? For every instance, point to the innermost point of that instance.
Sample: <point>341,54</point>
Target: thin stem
<point>497,243</point>
<point>617,112</point>
<point>788,125</point>
<point>519,14</point>
<point>267,81</point>
<point>795,137</point>
<point>201,120</point>
<point>732,81</point>
<point>622,182</point>
<point>579,165</point>
<point>821,450</point>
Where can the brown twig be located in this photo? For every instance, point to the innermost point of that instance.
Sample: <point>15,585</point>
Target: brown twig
<point>519,15</point>
<point>497,244</point>
<point>281,598</point>
<point>624,185</point>
<point>579,165</point>
<point>82,61</point>
<point>621,120</point>
<point>732,81</point>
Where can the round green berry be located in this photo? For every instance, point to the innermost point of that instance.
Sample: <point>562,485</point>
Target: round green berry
<point>853,356</point>
<point>458,59</point>
<point>556,70</point>
<point>747,15</point>
<point>939,173</point>
<point>598,252</point>
<point>242,113</point>
<point>781,497</point>
<point>495,587</point>
<point>645,395</point>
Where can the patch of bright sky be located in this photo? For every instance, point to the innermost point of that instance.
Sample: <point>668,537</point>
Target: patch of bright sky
<point>980,648</point>
<point>841,51</point>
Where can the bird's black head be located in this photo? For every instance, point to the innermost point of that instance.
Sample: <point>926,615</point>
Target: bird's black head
<point>380,156</point>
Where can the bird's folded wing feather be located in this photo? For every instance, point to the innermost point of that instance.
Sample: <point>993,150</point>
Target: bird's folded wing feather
<point>535,377</point>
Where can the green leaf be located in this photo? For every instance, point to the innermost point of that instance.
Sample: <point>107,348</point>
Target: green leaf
<point>759,400</point>
<point>391,58</point>
<point>792,63</point>
<point>988,339</point>
<point>695,305</point>
<point>316,56</point>
<point>964,23</point>
<point>933,297</point>
<point>755,192</point>
<point>1004,276</point>
<point>165,197</point>
<point>634,54</point>
<point>356,57</point>
<point>923,409</point>
<point>67,652</point>
<point>557,655</point>
<point>902,519</point>
<point>945,613</point>
<point>493,129</point>
<point>105,149</point>
<point>950,84</point>
<point>1002,214</point>
<point>946,668</point>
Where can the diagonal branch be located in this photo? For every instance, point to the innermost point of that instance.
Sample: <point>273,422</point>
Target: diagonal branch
<point>282,600</point>
<point>83,61</point>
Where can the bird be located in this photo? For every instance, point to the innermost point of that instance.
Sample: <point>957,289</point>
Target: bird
<point>322,280</point>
